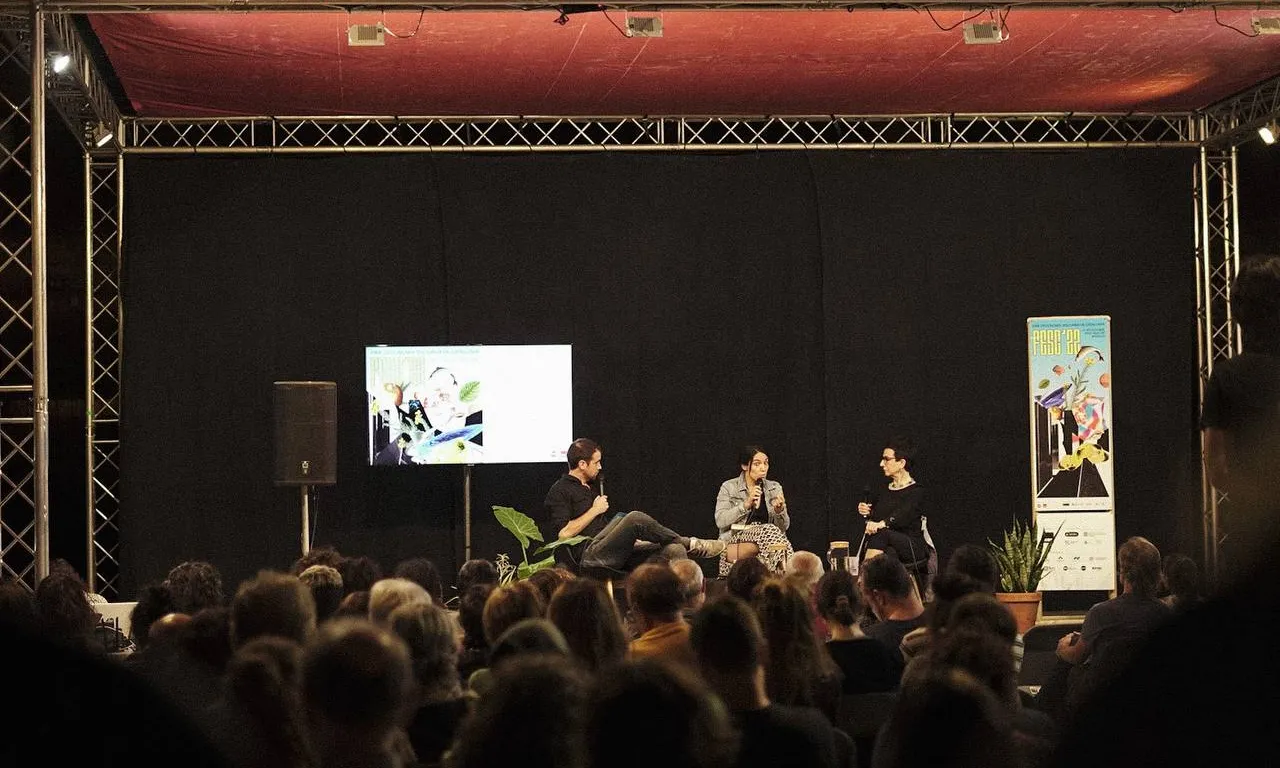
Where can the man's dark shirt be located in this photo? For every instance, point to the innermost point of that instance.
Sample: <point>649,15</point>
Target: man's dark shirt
<point>569,499</point>
<point>1243,400</point>
<point>890,632</point>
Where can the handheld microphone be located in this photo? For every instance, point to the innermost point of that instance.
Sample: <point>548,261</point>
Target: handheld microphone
<point>600,481</point>
<point>866,495</point>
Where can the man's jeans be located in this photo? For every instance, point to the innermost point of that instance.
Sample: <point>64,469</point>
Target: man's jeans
<point>628,540</point>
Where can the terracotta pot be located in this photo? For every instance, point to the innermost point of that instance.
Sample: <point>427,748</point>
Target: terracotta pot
<point>1025,607</point>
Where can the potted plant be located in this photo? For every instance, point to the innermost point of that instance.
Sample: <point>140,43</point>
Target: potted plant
<point>526,532</point>
<point>1022,557</point>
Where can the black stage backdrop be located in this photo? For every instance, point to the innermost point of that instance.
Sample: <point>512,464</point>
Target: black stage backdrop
<point>813,303</point>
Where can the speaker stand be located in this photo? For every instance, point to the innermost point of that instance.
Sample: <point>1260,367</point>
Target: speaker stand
<point>306,518</point>
<point>466,512</point>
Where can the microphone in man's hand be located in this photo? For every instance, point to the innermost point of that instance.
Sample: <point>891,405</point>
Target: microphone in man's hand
<point>600,482</point>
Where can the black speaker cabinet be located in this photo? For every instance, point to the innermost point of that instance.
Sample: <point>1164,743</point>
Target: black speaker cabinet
<point>306,432</point>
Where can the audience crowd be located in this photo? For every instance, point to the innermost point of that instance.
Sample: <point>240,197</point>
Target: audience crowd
<point>334,665</point>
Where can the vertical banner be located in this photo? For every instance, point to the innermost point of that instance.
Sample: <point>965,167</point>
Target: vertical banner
<point>1072,459</point>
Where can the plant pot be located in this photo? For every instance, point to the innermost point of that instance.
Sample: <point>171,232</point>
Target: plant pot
<point>1025,607</point>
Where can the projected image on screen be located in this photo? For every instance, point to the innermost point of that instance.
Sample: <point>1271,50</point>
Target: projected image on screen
<point>468,405</point>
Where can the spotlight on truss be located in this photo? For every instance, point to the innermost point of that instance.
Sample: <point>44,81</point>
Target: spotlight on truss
<point>60,62</point>
<point>1268,133</point>
<point>101,135</point>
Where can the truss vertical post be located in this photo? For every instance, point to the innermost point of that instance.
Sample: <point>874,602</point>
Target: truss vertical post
<point>39,292</point>
<point>1217,263</point>
<point>18,518</point>
<point>104,326</point>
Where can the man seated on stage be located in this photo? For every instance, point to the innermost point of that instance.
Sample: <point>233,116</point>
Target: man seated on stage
<point>576,508</point>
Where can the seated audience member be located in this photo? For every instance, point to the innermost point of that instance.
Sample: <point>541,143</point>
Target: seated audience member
<point>656,595</point>
<point>730,651</point>
<point>684,725</point>
<point>588,618</point>
<point>154,601</point>
<point>867,665</point>
<point>356,680</point>
<point>948,589</point>
<point>510,604</point>
<point>65,615</point>
<point>325,584</point>
<point>1182,579</point>
<point>18,610</point>
<point>891,593</point>
<point>389,594</point>
<point>207,638</point>
<point>692,586</point>
<point>475,646</point>
<point>70,707</point>
<point>804,569</point>
<point>977,642</point>
<point>972,568</point>
<point>751,513</point>
<point>422,572</point>
<point>547,581</point>
<point>438,703</point>
<point>359,574</point>
<point>745,575</point>
<point>534,717</point>
<point>324,555</point>
<point>475,572</point>
<point>272,604</point>
<point>260,722</point>
<point>798,670</point>
<point>195,585</point>
<point>947,720</point>
<point>1114,630</point>
<point>527,637</point>
<point>355,605</point>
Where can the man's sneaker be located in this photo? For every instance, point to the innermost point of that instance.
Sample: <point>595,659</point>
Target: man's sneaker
<point>705,547</point>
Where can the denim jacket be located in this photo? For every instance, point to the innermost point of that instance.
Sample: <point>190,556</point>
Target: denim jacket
<point>731,505</point>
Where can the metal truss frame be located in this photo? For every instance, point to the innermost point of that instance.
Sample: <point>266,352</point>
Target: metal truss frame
<point>1217,250</point>
<point>24,413</point>
<point>104,333</point>
<point>86,104</point>
<point>1234,119</point>
<point>577,134</point>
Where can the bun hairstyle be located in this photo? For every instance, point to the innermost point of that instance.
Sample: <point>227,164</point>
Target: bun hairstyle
<point>837,598</point>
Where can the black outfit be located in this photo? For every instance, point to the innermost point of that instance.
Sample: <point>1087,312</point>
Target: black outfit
<point>890,632</point>
<point>569,499</point>
<point>779,736</point>
<point>867,665</point>
<point>620,544</point>
<point>904,535</point>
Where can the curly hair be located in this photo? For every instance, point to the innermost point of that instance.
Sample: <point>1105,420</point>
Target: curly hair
<point>195,585</point>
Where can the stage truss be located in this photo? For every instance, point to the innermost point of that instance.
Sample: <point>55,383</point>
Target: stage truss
<point>86,105</point>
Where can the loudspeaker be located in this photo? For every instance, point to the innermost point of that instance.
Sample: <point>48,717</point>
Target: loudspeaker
<point>306,432</point>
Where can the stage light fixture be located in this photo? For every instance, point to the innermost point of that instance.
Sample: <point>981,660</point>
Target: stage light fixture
<point>60,62</point>
<point>983,33</point>
<point>1268,133</point>
<point>101,135</point>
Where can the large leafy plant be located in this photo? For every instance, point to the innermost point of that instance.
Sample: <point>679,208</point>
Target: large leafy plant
<point>1022,557</point>
<point>526,532</point>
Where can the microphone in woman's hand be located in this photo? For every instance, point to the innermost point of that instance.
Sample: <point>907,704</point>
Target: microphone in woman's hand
<point>866,495</point>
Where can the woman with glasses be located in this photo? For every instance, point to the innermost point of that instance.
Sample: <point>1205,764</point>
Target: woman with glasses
<point>894,520</point>
<point>751,513</point>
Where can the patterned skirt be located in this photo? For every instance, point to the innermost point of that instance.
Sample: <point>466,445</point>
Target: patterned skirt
<point>775,548</point>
